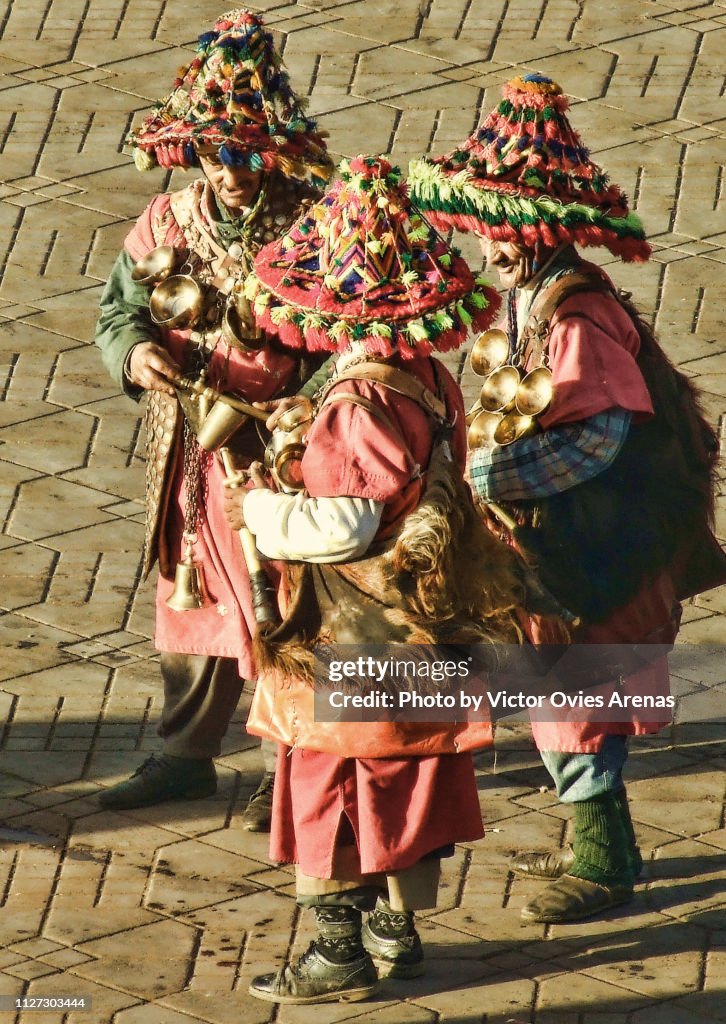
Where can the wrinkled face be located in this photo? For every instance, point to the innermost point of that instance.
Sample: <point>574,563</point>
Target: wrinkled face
<point>235,187</point>
<point>512,261</point>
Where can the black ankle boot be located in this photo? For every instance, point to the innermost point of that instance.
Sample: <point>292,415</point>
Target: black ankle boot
<point>392,940</point>
<point>335,967</point>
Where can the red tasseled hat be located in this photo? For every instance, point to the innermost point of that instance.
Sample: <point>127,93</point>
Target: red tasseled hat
<point>524,175</point>
<point>359,266</point>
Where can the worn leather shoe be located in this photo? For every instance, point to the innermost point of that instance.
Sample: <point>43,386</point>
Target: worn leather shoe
<point>159,779</point>
<point>572,899</point>
<point>543,865</point>
<point>315,979</point>
<point>399,957</point>
<point>257,816</point>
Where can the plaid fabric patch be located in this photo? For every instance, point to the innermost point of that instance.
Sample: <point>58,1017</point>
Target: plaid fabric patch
<point>550,462</point>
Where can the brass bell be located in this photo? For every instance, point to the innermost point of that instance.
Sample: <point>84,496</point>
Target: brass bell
<point>155,267</point>
<point>190,589</point>
<point>489,352</point>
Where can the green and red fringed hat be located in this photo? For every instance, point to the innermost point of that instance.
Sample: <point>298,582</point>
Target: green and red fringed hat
<point>524,175</point>
<point>234,98</point>
<point>361,267</point>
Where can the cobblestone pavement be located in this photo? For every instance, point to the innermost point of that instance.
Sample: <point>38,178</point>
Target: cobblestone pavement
<point>161,916</point>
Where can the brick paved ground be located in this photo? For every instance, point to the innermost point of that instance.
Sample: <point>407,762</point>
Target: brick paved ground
<point>161,916</point>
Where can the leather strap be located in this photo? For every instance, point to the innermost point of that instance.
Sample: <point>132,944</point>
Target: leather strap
<point>536,332</point>
<point>548,299</point>
<point>399,381</point>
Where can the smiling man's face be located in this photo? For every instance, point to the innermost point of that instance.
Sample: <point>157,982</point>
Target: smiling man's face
<point>512,261</point>
<point>234,186</point>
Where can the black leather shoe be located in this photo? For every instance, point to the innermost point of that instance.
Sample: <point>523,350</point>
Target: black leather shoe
<point>399,957</point>
<point>162,778</point>
<point>315,979</point>
<point>543,865</point>
<point>572,899</point>
<point>257,816</point>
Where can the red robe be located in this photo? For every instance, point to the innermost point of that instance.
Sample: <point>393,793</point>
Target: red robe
<point>223,628</point>
<point>400,809</point>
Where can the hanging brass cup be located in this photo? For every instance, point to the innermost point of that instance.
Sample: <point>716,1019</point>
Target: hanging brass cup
<point>482,430</point>
<point>499,390</point>
<point>512,427</point>
<point>473,413</point>
<point>176,302</point>
<point>155,267</point>
<point>489,352</point>
<point>239,328</point>
<point>535,392</point>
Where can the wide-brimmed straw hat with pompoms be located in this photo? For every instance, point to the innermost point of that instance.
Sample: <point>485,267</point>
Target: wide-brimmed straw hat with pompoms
<point>524,175</point>
<point>360,267</point>
<point>235,99</point>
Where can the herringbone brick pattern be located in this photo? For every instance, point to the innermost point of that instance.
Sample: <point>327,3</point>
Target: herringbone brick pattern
<point>162,916</point>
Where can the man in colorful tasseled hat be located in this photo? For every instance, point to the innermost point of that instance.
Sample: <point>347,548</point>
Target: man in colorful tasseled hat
<point>233,115</point>
<point>366,812</point>
<point>612,495</point>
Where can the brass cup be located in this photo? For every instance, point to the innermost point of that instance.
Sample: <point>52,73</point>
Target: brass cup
<point>283,456</point>
<point>473,413</point>
<point>535,392</point>
<point>155,267</point>
<point>219,425</point>
<point>482,430</point>
<point>512,427</point>
<point>288,467</point>
<point>499,390</point>
<point>239,329</point>
<point>176,302</point>
<point>489,352</point>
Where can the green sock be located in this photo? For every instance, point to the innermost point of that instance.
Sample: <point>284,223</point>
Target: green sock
<point>636,861</point>
<point>602,846</point>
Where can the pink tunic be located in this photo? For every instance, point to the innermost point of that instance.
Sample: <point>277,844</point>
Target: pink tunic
<point>224,627</point>
<point>400,809</point>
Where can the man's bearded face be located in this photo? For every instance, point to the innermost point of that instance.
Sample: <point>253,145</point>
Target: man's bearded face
<point>512,261</point>
<point>235,186</point>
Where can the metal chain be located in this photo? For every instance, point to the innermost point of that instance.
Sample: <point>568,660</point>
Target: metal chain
<point>193,461</point>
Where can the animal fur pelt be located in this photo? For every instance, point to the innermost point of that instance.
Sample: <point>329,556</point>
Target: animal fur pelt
<point>444,580</point>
